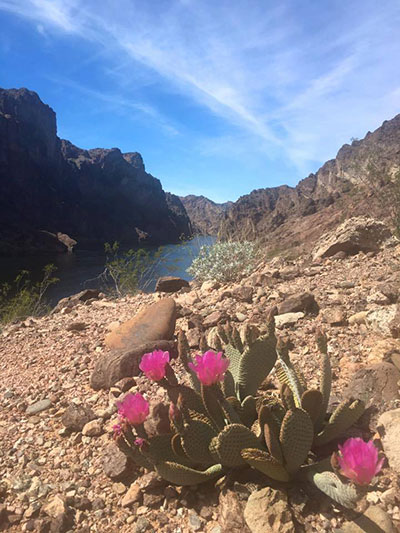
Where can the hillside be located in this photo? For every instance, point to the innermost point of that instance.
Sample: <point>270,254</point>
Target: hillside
<point>204,214</point>
<point>351,184</point>
<point>48,185</point>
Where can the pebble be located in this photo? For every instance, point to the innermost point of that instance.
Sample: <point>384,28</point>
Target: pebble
<point>38,407</point>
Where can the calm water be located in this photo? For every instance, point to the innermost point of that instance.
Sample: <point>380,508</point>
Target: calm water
<point>81,269</point>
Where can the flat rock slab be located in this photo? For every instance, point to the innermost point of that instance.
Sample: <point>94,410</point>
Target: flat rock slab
<point>119,364</point>
<point>38,407</point>
<point>155,322</point>
<point>357,234</point>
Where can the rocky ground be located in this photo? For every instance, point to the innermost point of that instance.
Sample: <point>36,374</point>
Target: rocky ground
<point>59,467</point>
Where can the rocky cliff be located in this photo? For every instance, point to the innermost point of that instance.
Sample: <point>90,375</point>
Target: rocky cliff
<point>48,185</point>
<point>204,214</point>
<point>354,183</point>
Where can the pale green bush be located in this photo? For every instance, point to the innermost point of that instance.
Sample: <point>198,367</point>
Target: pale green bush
<point>224,261</point>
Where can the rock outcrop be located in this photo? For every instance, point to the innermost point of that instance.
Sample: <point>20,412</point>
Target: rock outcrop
<point>354,183</point>
<point>204,214</point>
<point>48,187</point>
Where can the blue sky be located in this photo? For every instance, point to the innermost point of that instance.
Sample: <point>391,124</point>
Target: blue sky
<point>220,97</point>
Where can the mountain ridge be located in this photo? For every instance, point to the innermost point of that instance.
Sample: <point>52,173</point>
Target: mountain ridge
<point>49,185</point>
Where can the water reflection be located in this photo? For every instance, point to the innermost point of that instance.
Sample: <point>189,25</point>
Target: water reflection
<point>81,269</point>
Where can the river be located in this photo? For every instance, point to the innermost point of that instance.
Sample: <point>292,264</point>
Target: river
<point>81,269</point>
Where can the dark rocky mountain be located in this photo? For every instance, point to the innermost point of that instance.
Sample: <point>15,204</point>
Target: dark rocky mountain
<point>204,214</point>
<point>356,182</point>
<point>48,185</point>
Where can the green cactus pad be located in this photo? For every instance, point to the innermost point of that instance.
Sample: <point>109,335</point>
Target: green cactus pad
<point>287,373</point>
<point>326,384</point>
<point>230,441</point>
<point>311,401</point>
<point>176,445</point>
<point>248,412</point>
<point>196,440</point>
<point>343,493</point>
<point>234,357</point>
<point>237,341</point>
<point>182,475</point>
<point>191,400</point>
<point>345,415</point>
<point>160,448</point>
<point>296,437</point>
<point>265,463</point>
<point>212,403</point>
<point>228,385</point>
<point>287,395</point>
<point>270,430</point>
<point>256,363</point>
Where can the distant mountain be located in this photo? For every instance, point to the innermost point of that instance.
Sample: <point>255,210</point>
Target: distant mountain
<point>48,185</point>
<point>353,183</point>
<point>204,214</point>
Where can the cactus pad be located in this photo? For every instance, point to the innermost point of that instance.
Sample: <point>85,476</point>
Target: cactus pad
<point>196,440</point>
<point>311,401</point>
<point>265,463</point>
<point>345,415</point>
<point>182,475</point>
<point>330,484</point>
<point>231,441</point>
<point>256,363</point>
<point>296,437</point>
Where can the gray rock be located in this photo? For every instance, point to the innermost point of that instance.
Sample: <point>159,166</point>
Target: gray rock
<point>380,320</point>
<point>142,525</point>
<point>287,319</point>
<point>115,463</point>
<point>389,430</point>
<point>170,284</point>
<point>38,407</point>
<point>76,417</point>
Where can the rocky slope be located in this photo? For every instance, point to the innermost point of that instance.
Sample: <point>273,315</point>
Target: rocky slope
<point>352,183</point>
<point>60,479</point>
<point>204,214</point>
<point>48,185</point>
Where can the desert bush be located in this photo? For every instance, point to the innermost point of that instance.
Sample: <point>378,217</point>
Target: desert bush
<point>224,261</point>
<point>128,271</point>
<point>23,297</point>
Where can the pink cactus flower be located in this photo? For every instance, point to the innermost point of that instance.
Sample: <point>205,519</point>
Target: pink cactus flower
<point>139,442</point>
<point>133,408</point>
<point>210,367</point>
<point>358,460</point>
<point>153,364</point>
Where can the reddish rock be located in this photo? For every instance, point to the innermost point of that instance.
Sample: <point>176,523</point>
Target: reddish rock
<point>156,322</point>
<point>304,302</point>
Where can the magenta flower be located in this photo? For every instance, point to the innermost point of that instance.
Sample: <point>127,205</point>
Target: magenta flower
<point>139,442</point>
<point>358,460</point>
<point>133,408</point>
<point>153,364</point>
<point>210,367</point>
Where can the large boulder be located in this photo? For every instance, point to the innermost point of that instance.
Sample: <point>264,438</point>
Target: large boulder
<point>358,234</point>
<point>377,386</point>
<point>75,299</point>
<point>170,284</point>
<point>268,510</point>
<point>155,322</point>
<point>118,364</point>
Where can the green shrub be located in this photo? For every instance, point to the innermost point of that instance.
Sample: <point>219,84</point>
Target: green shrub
<point>224,261</point>
<point>23,298</point>
<point>127,271</point>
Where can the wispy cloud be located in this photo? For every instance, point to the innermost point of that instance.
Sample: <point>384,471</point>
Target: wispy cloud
<point>295,80</point>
